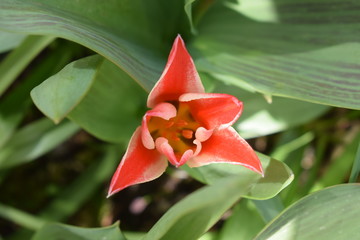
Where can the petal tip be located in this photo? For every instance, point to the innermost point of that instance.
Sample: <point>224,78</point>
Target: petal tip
<point>112,192</point>
<point>109,194</point>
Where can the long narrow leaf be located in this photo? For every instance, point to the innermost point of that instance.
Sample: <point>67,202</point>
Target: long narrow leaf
<point>309,53</point>
<point>140,51</point>
<point>355,171</point>
<point>276,177</point>
<point>57,231</point>
<point>10,116</point>
<point>21,218</point>
<point>333,213</point>
<point>16,62</point>
<point>34,140</point>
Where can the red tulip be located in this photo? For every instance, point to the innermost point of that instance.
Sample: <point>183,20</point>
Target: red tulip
<point>185,125</point>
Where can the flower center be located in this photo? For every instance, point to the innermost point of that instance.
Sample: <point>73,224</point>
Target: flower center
<point>179,130</point>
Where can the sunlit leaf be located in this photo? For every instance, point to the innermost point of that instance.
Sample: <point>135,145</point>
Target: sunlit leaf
<point>332,213</point>
<point>199,211</point>
<point>9,40</point>
<point>195,214</point>
<point>310,54</point>
<point>261,118</point>
<point>134,34</point>
<point>277,176</point>
<point>62,92</point>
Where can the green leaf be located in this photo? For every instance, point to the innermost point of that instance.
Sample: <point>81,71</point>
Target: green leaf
<point>355,171</point>
<point>244,223</point>
<point>310,53</point>
<point>332,213</point>
<point>60,93</point>
<point>188,11</point>
<point>21,218</point>
<point>292,149</point>
<point>191,217</point>
<point>18,59</point>
<point>340,167</point>
<point>11,116</point>
<point>97,95</point>
<point>34,140</point>
<point>9,40</point>
<point>261,118</point>
<point>283,151</point>
<point>277,176</point>
<point>269,208</point>
<point>57,231</point>
<point>134,34</point>
<point>113,107</point>
<point>195,214</point>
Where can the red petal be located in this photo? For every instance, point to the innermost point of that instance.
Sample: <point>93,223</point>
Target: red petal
<point>226,146</point>
<point>163,146</point>
<point>213,109</point>
<point>163,110</point>
<point>179,76</point>
<point>138,165</point>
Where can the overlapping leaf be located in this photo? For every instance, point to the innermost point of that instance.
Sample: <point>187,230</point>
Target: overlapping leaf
<point>113,107</point>
<point>33,141</point>
<point>276,177</point>
<point>310,51</point>
<point>244,223</point>
<point>11,116</point>
<point>97,95</point>
<point>332,213</point>
<point>59,94</point>
<point>9,41</point>
<point>260,117</point>
<point>18,59</point>
<point>199,211</point>
<point>134,34</point>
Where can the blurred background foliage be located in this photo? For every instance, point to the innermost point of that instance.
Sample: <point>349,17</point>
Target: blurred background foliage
<point>68,108</point>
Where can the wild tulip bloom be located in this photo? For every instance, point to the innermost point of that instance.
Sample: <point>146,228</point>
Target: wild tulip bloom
<point>184,126</point>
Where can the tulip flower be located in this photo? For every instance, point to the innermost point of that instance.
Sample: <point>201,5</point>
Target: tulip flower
<point>184,126</point>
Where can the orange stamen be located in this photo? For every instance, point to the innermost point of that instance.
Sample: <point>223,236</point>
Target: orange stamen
<point>181,123</point>
<point>177,130</point>
<point>169,124</point>
<point>186,133</point>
